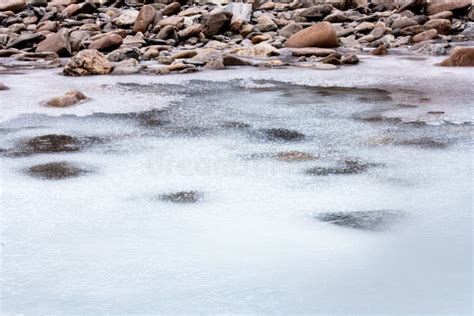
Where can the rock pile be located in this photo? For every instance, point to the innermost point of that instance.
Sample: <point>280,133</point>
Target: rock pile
<point>99,33</point>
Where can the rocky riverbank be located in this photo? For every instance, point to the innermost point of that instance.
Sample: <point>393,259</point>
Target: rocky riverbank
<point>125,37</point>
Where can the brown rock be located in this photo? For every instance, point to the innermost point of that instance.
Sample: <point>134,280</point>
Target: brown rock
<point>68,99</point>
<point>438,6</point>
<point>175,21</point>
<point>12,5</point>
<point>51,26</point>
<point>216,23</point>
<point>145,17</point>
<point>290,29</point>
<point>191,31</point>
<point>87,62</point>
<point>108,42</point>
<point>259,50</point>
<point>312,51</point>
<point>215,64</point>
<point>3,87</point>
<point>319,35</point>
<point>460,56</point>
<point>425,36</point>
<point>443,26</point>
<point>350,59</point>
<point>57,43</point>
<point>165,32</point>
<point>380,50</point>
<point>172,8</point>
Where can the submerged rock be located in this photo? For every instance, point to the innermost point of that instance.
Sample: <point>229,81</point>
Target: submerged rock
<point>181,197</point>
<point>282,134</point>
<point>51,143</point>
<point>70,98</point>
<point>294,156</point>
<point>424,142</point>
<point>350,166</point>
<point>376,220</point>
<point>55,171</point>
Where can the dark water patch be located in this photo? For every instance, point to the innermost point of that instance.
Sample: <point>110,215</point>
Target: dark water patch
<point>56,171</point>
<point>183,197</point>
<point>373,220</point>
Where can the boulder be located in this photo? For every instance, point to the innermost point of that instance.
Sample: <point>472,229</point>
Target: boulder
<point>191,31</point>
<point>265,24</point>
<point>315,13</point>
<point>381,50</point>
<point>443,26</point>
<point>171,9</point>
<point>12,5</point>
<point>124,53</point>
<point>87,62</point>
<point>438,6</point>
<point>3,87</point>
<point>70,98</point>
<point>259,50</point>
<point>108,42</point>
<point>145,17</point>
<point>290,29</point>
<point>460,56</point>
<point>425,36</point>
<point>216,23</point>
<point>319,35</point>
<point>127,18</point>
<point>58,43</point>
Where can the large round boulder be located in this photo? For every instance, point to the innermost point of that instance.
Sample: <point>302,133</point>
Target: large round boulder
<point>461,56</point>
<point>88,62</point>
<point>319,35</point>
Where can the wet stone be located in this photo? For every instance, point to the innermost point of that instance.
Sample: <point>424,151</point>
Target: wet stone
<point>181,197</point>
<point>282,134</point>
<point>350,166</point>
<point>373,220</point>
<point>55,171</point>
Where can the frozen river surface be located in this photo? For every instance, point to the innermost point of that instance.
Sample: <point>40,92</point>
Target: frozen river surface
<point>346,191</point>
